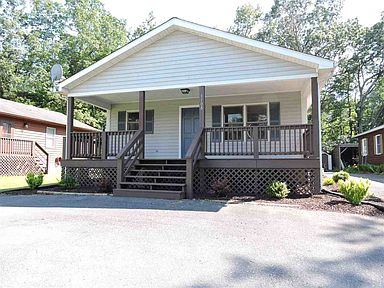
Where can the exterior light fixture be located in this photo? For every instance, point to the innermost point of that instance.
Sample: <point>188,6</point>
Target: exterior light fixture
<point>185,90</point>
<point>26,125</point>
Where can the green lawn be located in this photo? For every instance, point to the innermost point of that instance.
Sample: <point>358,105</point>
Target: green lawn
<point>18,182</point>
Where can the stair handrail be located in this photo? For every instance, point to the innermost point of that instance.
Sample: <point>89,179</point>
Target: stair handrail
<point>45,159</point>
<point>194,153</point>
<point>129,154</point>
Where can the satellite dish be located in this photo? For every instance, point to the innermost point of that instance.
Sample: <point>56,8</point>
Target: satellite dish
<point>56,73</point>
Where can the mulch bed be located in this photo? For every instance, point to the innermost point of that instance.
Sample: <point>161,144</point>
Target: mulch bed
<point>92,190</point>
<point>323,201</point>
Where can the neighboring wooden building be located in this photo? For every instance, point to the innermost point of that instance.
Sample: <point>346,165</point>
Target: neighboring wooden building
<point>344,155</point>
<point>371,146</point>
<point>188,104</point>
<point>31,138</point>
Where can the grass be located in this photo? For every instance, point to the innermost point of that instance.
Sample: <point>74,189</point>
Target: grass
<point>18,182</point>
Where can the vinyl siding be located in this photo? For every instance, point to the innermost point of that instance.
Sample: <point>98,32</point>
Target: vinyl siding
<point>182,58</point>
<point>164,143</point>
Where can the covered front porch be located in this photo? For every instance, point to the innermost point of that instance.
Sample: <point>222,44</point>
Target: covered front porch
<point>233,132</point>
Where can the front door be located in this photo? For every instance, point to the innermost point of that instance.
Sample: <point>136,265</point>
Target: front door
<point>189,127</point>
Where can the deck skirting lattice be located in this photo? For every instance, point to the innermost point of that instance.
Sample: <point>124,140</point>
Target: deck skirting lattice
<point>18,165</point>
<point>249,181</point>
<point>91,176</point>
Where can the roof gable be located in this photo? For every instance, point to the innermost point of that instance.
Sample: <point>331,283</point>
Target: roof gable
<point>176,24</point>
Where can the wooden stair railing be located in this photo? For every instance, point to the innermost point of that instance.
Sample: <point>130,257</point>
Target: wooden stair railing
<point>41,156</point>
<point>128,155</point>
<point>194,153</point>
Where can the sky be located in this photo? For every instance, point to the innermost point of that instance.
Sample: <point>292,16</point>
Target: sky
<point>220,13</point>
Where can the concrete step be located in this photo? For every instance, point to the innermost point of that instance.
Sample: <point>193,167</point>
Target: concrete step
<point>158,194</point>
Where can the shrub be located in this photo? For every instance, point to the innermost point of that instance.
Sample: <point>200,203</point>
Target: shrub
<point>220,187</point>
<point>104,185</point>
<point>278,190</point>
<point>352,169</point>
<point>355,191</point>
<point>34,181</point>
<point>341,175</point>
<point>68,182</point>
<point>328,181</point>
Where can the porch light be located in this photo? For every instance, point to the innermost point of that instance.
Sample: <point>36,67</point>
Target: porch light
<point>185,91</point>
<point>26,125</point>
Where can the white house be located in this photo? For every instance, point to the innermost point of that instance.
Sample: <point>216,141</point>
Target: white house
<point>189,104</point>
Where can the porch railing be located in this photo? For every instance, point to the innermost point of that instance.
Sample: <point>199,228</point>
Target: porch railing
<point>12,146</point>
<point>259,140</point>
<point>21,147</point>
<point>99,144</point>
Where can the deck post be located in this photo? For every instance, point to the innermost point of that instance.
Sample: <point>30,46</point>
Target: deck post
<point>104,145</point>
<point>69,127</point>
<point>202,117</point>
<point>142,119</point>
<point>316,137</point>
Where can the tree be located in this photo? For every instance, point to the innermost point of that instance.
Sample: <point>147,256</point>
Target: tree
<point>246,19</point>
<point>36,34</point>
<point>147,25</point>
<point>309,26</point>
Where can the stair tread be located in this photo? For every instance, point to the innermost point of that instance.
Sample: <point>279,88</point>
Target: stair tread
<point>159,164</point>
<point>156,177</point>
<point>152,183</point>
<point>154,170</point>
<point>150,191</point>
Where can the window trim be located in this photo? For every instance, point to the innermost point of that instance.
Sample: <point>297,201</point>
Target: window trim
<point>53,137</point>
<point>137,111</point>
<point>364,153</point>
<point>245,118</point>
<point>381,144</point>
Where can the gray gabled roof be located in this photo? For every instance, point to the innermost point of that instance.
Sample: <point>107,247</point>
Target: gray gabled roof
<point>11,108</point>
<point>371,130</point>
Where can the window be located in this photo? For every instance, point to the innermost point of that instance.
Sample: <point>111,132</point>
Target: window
<point>7,129</point>
<point>216,122</point>
<point>378,144</point>
<point>257,115</point>
<point>130,121</point>
<point>149,121</point>
<point>274,119</point>
<point>364,147</point>
<point>233,117</point>
<point>133,121</point>
<point>50,137</point>
<point>121,120</point>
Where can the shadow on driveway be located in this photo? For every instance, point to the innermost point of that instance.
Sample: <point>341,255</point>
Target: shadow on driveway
<point>362,268</point>
<point>108,202</point>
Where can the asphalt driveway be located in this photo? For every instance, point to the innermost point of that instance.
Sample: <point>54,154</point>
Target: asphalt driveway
<point>101,241</point>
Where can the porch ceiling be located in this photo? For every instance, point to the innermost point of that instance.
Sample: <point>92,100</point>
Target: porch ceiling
<point>105,100</point>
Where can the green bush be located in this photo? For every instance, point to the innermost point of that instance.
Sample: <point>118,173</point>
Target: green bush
<point>68,182</point>
<point>328,181</point>
<point>34,181</point>
<point>278,190</point>
<point>355,191</point>
<point>366,168</point>
<point>341,175</point>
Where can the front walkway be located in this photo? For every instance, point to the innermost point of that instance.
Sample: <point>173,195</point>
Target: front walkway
<point>101,241</point>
